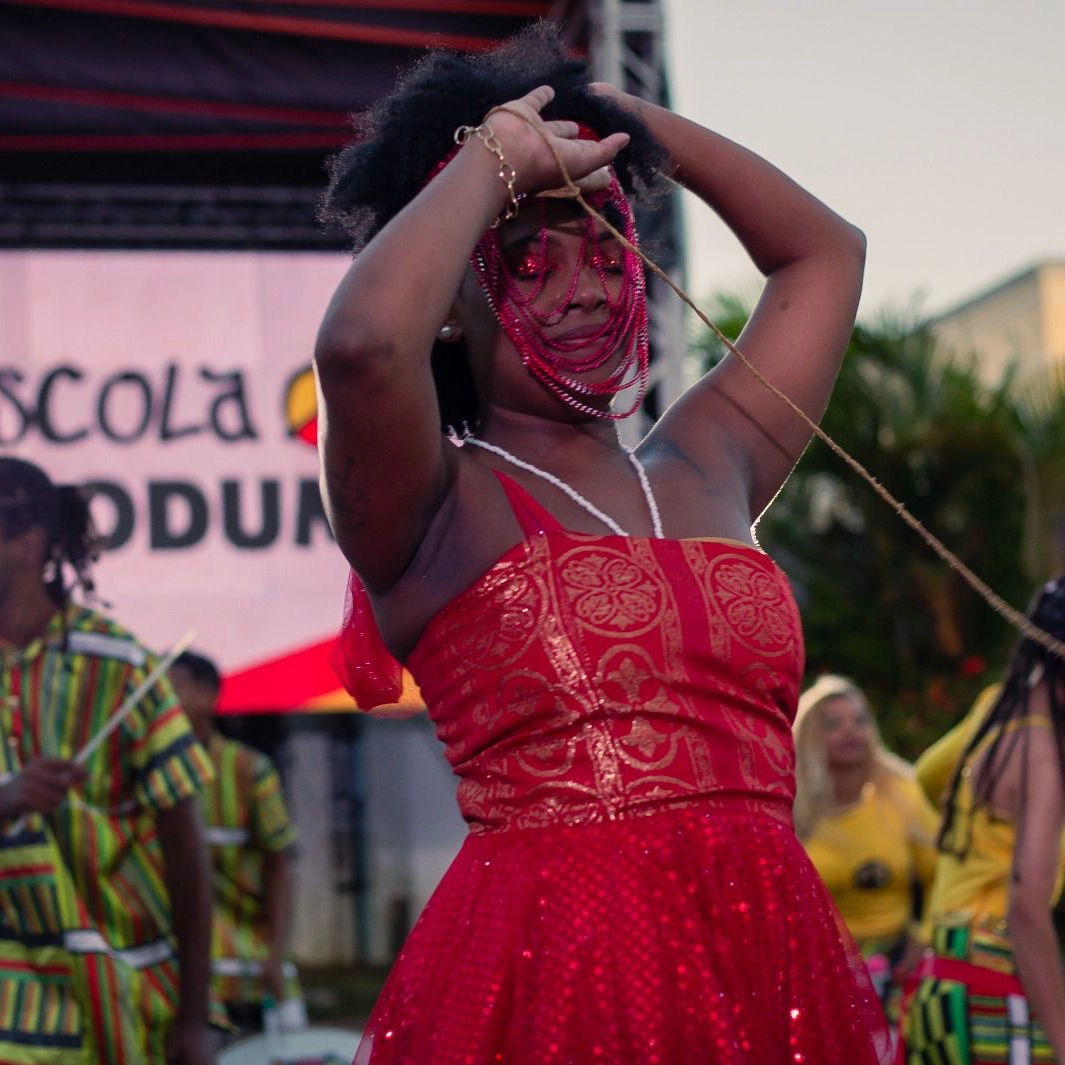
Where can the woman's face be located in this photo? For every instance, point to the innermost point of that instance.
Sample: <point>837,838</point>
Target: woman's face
<point>565,263</point>
<point>848,732</point>
<point>565,274</point>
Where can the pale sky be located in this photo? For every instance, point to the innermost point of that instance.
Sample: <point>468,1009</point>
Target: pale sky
<point>937,126</point>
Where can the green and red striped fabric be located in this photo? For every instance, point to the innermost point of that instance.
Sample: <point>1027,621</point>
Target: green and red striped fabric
<point>244,816</point>
<point>86,958</point>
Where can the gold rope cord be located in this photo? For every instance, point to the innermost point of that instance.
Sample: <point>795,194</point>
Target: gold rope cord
<point>992,598</point>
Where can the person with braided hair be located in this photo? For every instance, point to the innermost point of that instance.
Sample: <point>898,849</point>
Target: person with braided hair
<point>991,989</point>
<point>105,890</point>
<point>609,659</point>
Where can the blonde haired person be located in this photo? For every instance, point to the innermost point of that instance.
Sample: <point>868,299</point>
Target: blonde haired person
<point>867,826</point>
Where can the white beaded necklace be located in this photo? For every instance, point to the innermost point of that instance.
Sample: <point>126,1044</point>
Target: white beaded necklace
<point>637,465</point>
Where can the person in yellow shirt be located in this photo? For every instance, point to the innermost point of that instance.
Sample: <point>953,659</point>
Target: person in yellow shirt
<point>991,989</point>
<point>866,825</point>
<point>935,767</point>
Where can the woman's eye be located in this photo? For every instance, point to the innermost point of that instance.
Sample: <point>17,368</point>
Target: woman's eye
<point>610,257</point>
<point>531,266</point>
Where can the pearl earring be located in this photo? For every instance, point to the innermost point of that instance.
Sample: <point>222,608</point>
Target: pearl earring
<point>448,331</point>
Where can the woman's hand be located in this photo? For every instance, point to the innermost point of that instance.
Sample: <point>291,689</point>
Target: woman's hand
<point>535,147</point>
<point>624,100</point>
<point>189,1043</point>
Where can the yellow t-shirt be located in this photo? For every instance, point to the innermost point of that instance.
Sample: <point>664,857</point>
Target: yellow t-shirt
<point>977,885</point>
<point>935,767</point>
<point>871,854</point>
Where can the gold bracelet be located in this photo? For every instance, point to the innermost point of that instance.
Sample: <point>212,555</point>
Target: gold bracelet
<point>507,173</point>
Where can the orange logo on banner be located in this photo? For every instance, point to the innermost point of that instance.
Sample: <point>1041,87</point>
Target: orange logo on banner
<point>301,407</point>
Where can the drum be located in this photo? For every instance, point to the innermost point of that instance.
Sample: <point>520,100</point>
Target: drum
<point>307,1046</point>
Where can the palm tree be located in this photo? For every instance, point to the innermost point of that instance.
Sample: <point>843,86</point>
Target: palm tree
<point>877,602</point>
<point>1039,405</point>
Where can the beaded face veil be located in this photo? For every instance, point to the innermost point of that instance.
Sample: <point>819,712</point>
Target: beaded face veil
<point>517,286</point>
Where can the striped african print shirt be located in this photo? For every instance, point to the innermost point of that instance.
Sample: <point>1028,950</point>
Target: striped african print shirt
<point>245,817</point>
<point>87,968</point>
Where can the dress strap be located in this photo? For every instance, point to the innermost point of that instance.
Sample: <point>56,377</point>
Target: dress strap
<point>533,518</point>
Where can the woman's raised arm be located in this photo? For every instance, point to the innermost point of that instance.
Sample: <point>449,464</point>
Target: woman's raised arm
<point>813,261</point>
<point>386,468</point>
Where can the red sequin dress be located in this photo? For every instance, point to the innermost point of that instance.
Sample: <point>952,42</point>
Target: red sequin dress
<point>631,892</point>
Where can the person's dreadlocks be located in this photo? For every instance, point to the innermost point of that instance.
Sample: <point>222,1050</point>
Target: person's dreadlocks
<point>28,500</point>
<point>1030,664</point>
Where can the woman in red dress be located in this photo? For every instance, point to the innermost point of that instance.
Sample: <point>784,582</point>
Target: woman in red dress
<point>610,661</point>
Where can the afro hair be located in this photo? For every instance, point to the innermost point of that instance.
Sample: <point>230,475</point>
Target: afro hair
<point>405,135</point>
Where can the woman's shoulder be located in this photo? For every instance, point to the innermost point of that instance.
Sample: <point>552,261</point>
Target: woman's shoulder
<point>700,481</point>
<point>1036,718</point>
<point>470,531</point>
<point>901,788</point>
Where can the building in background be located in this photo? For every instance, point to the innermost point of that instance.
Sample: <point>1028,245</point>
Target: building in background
<point>1019,319</point>
<point>1018,327</point>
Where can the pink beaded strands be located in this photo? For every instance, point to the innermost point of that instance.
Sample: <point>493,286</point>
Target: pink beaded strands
<point>555,361</point>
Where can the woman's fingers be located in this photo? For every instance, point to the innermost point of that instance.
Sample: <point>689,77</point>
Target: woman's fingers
<point>586,158</point>
<point>583,161</point>
<point>561,128</point>
<point>540,97</point>
<point>596,181</point>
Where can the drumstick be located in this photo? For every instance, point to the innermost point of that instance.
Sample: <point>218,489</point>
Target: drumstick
<point>135,697</point>
<point>123,711</point>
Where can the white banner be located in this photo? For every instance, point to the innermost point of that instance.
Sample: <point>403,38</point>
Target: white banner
<point>178,385</point>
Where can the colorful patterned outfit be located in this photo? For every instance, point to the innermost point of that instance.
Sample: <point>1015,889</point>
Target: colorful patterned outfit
<point>618,713</point>
<point>244,817</point>
<point>87,966</point>
<point>968,1006</point>
<point>870,856</point>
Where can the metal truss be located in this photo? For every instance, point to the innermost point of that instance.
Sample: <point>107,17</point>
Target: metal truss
<point>628,50</point>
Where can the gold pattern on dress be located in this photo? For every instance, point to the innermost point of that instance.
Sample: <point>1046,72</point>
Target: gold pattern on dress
<point>776,752</point>
<point>704,775</point>
<point>646,739</point>
<point>719,637</point>
<point>492,639</point>
<point>547,758</point>
<point>668,630</point>
<point>525,694</point>
<point>753,603</point>
<point>552,812</point>
<point>609,683</point>
<point>563,655</point>
<point>630,682</point>
<point>605,766</point>
<point>609,592</point>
